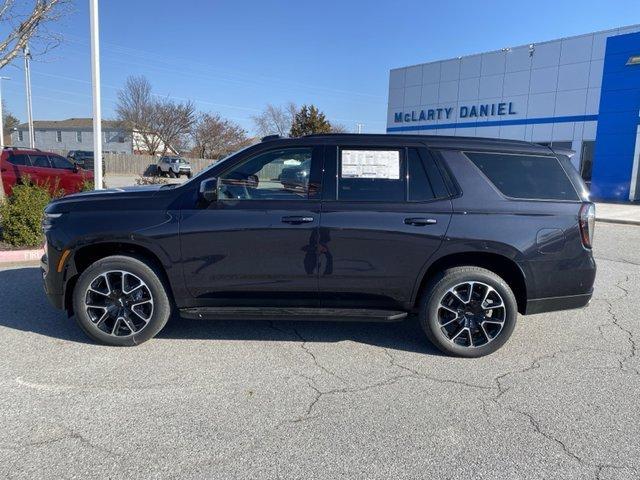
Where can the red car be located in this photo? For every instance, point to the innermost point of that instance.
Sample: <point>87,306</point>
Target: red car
<point>42,168</point>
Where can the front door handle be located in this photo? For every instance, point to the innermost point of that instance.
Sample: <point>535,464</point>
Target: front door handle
<point>420,222</point>
<point>296,220</point>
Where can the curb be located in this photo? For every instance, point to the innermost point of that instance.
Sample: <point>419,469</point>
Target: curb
<point>618,221</point>
<point>19,256</point>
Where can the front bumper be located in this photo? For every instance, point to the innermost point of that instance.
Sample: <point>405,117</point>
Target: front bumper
<point>52,282</point>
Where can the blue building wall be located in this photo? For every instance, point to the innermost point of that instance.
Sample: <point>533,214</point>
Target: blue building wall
<point>618,120</point>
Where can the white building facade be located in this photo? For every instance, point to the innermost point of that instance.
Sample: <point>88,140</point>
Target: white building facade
<point>580,92</point>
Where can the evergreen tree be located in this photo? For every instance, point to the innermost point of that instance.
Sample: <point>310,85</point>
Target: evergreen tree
<point>309,120</point>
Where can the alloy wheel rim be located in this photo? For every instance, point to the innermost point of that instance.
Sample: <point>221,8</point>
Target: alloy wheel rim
<point>471,314</point>
<point>119,303</point>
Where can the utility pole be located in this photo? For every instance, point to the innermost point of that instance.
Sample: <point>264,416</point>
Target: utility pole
<point>95,83</point>
<point>2,114</point>
<point>27,81</point>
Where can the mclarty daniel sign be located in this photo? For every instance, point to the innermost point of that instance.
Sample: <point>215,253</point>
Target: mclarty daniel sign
<point>449,113</point>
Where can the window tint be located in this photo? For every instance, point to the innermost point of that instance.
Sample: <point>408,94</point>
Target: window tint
<point>276,175</point>
<point>19,160</point>
<point>60,162</point>
<point>371,175</point>
<point>425,180</point>
<point>40,161</point>
<point>526,176</point>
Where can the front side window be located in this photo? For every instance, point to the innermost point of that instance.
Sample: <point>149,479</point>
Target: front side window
<point>371,175</point>
<point>60,162</point>
<point>525,176</point>
<point>275,175</point>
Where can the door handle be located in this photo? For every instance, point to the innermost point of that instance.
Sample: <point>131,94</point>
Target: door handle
<point>420,222</point>
<point>297,220</point>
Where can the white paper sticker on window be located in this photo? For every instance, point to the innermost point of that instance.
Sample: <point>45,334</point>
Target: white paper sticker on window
<point>371,164</point>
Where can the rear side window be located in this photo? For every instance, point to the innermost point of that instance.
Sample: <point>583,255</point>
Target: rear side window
<point>372,175</point>
<point>425,180</point>
<point>19,160</point>
<point>40,161</point>
<point>525,176</point>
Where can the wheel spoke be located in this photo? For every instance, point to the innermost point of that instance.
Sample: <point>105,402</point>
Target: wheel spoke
<point>121,298</point>
<point>479,310</point>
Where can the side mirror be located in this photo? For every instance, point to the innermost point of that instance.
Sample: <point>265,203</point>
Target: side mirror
<point>209,190</point>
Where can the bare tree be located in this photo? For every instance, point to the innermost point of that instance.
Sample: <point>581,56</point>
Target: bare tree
<point>275,120</point>
<point>21,21</point>
<point>172,123</point>
<point>136,112</point>
<point>215,137</point>
<point>157,124</point>
<point>26,20</point>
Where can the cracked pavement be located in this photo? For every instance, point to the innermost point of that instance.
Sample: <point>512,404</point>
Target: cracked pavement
<point>322,400</point>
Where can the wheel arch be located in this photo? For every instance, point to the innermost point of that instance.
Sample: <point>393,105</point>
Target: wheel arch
<point>86,255</point>
<point>499,264</point>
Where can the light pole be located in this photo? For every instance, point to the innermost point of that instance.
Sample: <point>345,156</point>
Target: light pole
<point>27,81</point>
<point>2,114</point>
<point>97,110</point>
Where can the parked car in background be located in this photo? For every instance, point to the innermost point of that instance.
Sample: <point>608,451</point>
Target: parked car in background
<point>463,232</point>
<point>43,168</point>
<point>173,167</point>
<point>82,158</point>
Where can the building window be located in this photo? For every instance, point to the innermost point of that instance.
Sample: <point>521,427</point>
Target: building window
<point>79,136</point>
<point>120,138</point>
<point>59,136</point>
<point>20,136</point>
<point>586,159</point>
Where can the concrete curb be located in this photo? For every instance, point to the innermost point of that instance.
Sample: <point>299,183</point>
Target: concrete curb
<point>20,256</point>
<point>618,221</point>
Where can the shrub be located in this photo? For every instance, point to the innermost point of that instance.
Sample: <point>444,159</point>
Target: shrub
<point>21,215</point>
<point>87,185</point>
<point>142,180</point>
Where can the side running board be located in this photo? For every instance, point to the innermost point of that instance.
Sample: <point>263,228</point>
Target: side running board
<point>273,313</point>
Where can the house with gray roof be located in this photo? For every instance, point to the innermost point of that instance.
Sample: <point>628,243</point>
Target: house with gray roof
<point>73,134</point>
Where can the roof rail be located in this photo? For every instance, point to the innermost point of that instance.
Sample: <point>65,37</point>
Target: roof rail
<point>268,138</point>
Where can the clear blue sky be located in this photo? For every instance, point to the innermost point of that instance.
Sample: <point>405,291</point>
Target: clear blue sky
<point>233,57</point>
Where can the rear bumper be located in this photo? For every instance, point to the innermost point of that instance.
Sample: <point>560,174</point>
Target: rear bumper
<point>552,304</point>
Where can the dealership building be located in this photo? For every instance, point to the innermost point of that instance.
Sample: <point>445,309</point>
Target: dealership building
<point>581,93</point>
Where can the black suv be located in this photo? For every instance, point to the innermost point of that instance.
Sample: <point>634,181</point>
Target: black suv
<point>463,232</point>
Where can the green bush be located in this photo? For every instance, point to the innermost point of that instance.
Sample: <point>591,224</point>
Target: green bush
<point>21,215</point>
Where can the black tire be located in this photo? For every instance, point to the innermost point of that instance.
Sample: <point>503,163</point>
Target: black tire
<point>431,312</point>
<point>172,174</point>
<point>145,271</point>
<point>189,174</point>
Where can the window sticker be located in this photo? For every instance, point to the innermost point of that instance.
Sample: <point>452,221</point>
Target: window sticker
<point>383,164</point>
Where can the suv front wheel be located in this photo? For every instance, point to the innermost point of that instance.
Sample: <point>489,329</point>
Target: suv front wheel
<point>121,301</point>
<point>468,311</point>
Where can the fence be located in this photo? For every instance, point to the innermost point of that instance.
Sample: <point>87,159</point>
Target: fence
<point>123,164</point>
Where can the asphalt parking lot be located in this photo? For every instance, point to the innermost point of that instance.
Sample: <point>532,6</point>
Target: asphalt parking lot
<point>322,400</point>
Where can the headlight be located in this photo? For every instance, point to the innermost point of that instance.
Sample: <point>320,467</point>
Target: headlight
<point>48,220</point>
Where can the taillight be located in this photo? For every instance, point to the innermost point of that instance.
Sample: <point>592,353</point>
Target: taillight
<point>587,223</point>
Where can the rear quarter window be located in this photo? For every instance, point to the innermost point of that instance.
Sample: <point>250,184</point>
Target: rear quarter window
<point>535,177</point>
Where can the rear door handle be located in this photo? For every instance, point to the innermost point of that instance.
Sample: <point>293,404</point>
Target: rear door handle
<point>420,222</point>
<point>296,220</point>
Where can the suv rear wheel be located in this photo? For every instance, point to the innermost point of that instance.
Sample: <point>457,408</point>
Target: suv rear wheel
<point>121,301</point>
<point>468,311</point>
